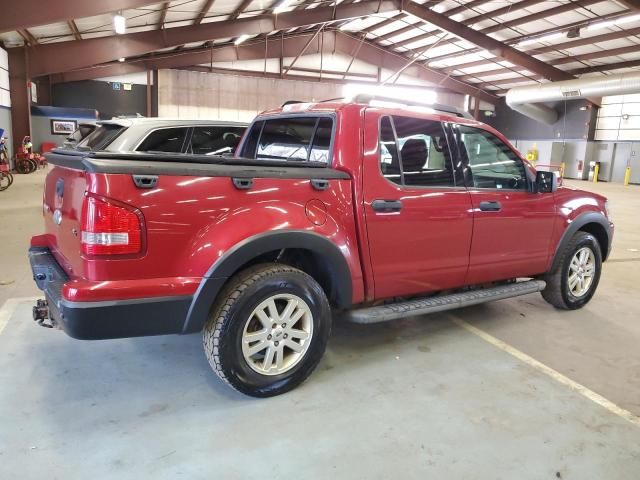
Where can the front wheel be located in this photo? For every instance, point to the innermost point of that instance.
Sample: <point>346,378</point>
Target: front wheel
<point>575,278</point>
<point>268,330</point>
<point>5,181</point>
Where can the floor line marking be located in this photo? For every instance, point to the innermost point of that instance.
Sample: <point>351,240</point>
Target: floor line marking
<point>557,376</point>
<point>9,307</point>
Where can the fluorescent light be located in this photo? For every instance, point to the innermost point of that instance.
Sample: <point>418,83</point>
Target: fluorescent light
<point>119,24</point>
<point>544,38</point>
<point>121,59</point>
<point>281,6</point>
<point>354,25</point>
<point>411,94</point>
<point>615,21</point>
<point>240,39</point>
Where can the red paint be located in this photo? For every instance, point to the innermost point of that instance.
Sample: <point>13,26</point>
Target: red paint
<point>439,240</point>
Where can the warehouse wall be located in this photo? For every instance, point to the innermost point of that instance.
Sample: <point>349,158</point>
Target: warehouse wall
<point>101,96</point>
<point>189,94</point>
<point>5,101</point>
<point>41,123</point>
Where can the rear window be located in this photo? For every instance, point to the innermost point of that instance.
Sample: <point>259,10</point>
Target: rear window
<point>294,139</point>
<point>101,137</point>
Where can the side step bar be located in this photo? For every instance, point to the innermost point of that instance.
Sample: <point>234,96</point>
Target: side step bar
<point>422,306</point>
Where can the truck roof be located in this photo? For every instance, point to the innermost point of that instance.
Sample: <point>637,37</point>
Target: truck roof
<point>337,105</point>
<point>165,121</point>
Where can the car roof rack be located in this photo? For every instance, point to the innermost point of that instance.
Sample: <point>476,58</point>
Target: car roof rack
<point>368,98</point>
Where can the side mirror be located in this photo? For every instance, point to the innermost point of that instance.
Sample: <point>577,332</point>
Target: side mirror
<point>546,182</point>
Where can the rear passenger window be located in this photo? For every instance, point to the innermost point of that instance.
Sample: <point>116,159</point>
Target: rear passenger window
<point>414,152</point>
<point>164,140</point>
<point>214,140</point>
<point>302,139</point>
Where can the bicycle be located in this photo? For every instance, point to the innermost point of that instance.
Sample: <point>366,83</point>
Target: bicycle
<point>6,177</point>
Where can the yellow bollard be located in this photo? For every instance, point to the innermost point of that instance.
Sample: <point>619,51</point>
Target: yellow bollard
<point>627,176</point>
<point>596,170</point>
<point>562,170</point>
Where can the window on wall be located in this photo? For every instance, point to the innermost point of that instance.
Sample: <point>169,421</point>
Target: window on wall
<point>414,152</point>
<point>164,140</point>
<point>297,139</point>
<point>491,163</point>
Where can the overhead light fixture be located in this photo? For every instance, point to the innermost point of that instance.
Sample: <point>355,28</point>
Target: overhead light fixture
<point>119,24</point>
<point>615,21</point>
<point>411,94</point>
<point>281,6</point>
<point>121,59</point>
<point>544,38</point>
<point>241,39</point>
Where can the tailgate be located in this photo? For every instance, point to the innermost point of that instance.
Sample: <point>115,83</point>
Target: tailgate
<point>64,191</point>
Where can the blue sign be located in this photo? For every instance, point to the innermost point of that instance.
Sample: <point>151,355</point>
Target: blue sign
<point>116,85</point>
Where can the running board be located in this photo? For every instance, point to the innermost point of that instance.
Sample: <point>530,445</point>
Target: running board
<point>422,306</point>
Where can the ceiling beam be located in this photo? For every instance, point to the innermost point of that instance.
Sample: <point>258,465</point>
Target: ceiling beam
<point>302,50</point>
<point>31,13</point>
<point>515,40</point>
<point>606,68</point>
<point>66,56</point>
<point>240,9</point>
<point>277,47</point>
<point>560,61</point>
<point>29,39</point>
<point>163,14</point>
<point>470,21</point>
<point>203,12</point>
<point>488,43</point>
<point>74,29</point>
<point>553,48</point>
<point>375,55</point>
<point>635,4</point>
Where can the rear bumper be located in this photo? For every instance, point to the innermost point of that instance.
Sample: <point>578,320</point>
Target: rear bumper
<point>105,319</point>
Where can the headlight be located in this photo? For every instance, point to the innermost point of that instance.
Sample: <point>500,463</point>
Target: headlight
<point>607,211</point>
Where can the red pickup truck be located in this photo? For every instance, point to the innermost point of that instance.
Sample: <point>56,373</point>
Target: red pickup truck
<point>373,212</point>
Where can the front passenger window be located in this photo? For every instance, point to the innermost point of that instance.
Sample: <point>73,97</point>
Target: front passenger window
<point>491,163</point>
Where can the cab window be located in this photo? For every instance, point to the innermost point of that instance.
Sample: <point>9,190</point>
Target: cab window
<point>490,162</point>
<point>414,152</point>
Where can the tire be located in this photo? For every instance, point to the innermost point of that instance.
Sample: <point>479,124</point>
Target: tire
<point>561,291</point>
<point>5,181</point>
<point>234,318</point>
<point>10,178</point>
<point>33,165</point>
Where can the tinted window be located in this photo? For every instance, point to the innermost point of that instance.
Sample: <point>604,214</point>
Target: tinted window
<point>321,141</point>
<point>164,140</point>
<point>292,139</point>
<point>389,160</point>
<point>214,140</point>
<point>422,150</point>
<point>101,136</point>
<point>491,163</point>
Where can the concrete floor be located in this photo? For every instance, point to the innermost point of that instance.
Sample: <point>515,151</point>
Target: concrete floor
<point>421,397</point>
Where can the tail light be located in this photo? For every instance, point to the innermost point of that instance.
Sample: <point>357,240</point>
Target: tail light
<point>110,229</point>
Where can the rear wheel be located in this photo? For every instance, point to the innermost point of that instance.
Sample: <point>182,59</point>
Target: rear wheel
<point>5,181</point>
<point>575,278</point>
<point>268,330</point>
<point>23,166</point>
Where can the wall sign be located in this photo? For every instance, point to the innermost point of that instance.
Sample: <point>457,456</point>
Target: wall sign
<point>116,86</point>
<point>63,127</point>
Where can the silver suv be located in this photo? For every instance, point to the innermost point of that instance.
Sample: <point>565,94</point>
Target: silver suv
<point>197,137</point>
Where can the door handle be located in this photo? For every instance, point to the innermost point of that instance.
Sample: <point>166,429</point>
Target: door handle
<point>490,206</point>
<point>386,205</point>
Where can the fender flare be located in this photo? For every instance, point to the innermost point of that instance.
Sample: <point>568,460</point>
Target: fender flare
<point>579,222</point>
<point>252,247</point>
